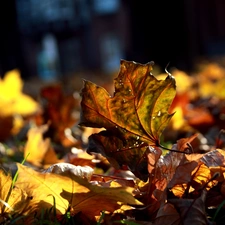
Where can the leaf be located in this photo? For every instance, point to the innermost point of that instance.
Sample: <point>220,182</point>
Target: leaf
<point>134,117</point>
<point>39,150</point>
<point>212,82</point>
<point>68,189</point>
<point>43,188</point>
<point>168,213</point>
<point>60,109</point>
<point>62,168</point>
<point>12,99</point>
<point>99,198</point>
<point>191,211</point>
<point>12,200</point>
<point>214,158</point>
<point>197,172</point>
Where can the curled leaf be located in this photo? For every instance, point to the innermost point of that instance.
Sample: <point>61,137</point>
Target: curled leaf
<point>62,168</point>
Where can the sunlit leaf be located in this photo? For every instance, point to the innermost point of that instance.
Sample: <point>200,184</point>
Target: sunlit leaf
<point>99,198</point>
<point>134,117</point>
<point>12,99</point>
<point>38,149</point>
<point>13,200</point>
<point>68,189</point>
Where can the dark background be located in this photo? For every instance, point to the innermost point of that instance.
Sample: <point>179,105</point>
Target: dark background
<point>177,32</point>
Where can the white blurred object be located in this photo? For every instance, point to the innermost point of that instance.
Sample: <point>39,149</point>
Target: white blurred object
<point>48,59</point>
<point>81,171</point>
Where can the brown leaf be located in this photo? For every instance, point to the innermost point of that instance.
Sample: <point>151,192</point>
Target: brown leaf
<point>184,143</point>
<point>214,158</point>
<point>60,109</point>
<point>134,117</point>
<point>168,213</point>
<point>191,211</point>
<point>197,172</point>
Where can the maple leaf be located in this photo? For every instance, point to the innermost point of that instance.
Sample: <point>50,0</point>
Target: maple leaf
<point>67,189</point>
<point>133,118</point>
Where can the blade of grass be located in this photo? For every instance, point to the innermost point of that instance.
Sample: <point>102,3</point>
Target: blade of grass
<point>126,222</point>
<point>218,209</point>
<point>13,183</point>
<point>16,175</point>
<point>101,218</point>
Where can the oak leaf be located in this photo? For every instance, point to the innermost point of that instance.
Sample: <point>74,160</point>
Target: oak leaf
<point>133,118</point>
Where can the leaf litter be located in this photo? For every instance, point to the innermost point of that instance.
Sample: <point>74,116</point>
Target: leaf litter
<point>112,164</point>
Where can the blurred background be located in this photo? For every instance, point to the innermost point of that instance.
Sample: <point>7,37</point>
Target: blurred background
<point>52,39</point>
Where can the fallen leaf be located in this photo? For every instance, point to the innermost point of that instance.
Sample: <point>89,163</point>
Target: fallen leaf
<point>62,111</point>
<point>134,117</point>
<point>67,189</point>
<point>12,99</point>
<point>191,211</point>
<point>99,199</point>
<point>13,200</point>
<point>44,189</point>
<point>38,150</point>
<point>63,168</point>
<point>168,213</point>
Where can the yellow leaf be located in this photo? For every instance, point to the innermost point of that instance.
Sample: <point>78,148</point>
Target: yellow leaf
<point>12,100</point>
<point>184,82</point>
<point>12,200</point>
<point>39,150</point>
<point>99,198</point>
<point>70,190</point>
<point>44,189</point>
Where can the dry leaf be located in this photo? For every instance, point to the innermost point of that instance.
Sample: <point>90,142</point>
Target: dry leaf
<point>134,117</point>
<point>13,200</point>
<point>67,189</point>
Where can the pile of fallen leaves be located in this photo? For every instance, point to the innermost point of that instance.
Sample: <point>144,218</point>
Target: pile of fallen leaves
<point>151,152</point>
